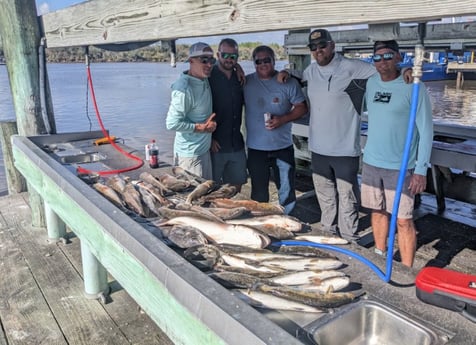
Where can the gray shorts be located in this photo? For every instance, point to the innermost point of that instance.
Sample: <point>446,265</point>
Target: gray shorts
<point>378,190</point>
<point>198,165</point>
<point>230,167</point>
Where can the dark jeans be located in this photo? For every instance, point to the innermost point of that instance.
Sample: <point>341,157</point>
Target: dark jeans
<point>283,167</point>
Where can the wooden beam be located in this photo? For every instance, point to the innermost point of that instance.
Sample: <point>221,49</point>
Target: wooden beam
<point>114,21</point>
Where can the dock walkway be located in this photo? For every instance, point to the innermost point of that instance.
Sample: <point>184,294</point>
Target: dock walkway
<point>42,294</point>
<point>41,287</point>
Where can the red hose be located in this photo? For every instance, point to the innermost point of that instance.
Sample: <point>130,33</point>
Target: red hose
<point>106,135</point>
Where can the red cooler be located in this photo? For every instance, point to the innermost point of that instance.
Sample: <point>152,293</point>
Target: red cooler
<point>448,289</point>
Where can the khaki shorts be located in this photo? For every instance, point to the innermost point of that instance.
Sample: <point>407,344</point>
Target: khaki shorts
<point>378,190</point>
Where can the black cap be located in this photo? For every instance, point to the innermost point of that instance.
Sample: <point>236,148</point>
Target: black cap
<point>319,35</point>
<point>392,44</point>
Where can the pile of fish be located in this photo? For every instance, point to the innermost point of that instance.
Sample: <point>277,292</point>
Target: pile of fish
<point>227,237</point>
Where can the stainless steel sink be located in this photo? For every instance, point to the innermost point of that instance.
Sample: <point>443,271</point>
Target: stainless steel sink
<point>372,323</point>
<point>82,158</point>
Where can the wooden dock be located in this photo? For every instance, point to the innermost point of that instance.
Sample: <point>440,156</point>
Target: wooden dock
<point>42,294</point>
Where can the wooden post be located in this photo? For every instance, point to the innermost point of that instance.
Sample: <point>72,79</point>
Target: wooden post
<point>15,181</point>
<point>20,34</point>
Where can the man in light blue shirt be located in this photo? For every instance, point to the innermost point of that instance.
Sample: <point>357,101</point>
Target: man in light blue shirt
<point>190,113</point>
<point>388,101</point>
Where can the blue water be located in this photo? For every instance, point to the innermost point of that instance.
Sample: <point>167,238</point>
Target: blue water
<point>133,100</point>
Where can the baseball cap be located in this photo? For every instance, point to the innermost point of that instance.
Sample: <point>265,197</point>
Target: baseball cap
<point>319,35</point>
<point>392,44</point>
<point>200,49</point>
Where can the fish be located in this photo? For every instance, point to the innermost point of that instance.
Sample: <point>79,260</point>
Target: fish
<point>305,277</point>
<point>234,269</point>
<point>183,174</point>
<point>237,280</point>
<point>236,261</point>
<point>256,208</point>
<point>186,236</point>
<point>117,183</point>
<point>170,213</point>
<point>229,213</point>
<point>149,201</point>
<point>155,192</point>
<point>302,264</point>
<point>173,183</point>
<point>277,226</point>
<point>305,251</point>
<point>237,249</point>
<point>312,299</point>
<point>200,190</point>
<point>289,223</point>
<point>326,285</point>
<point>265,300</point>
<point>109,194</point>
<point>149,178</point>
<point>225,191</point>
<point>321,239</point>
<point>224,233</point>
<point>133,199</point>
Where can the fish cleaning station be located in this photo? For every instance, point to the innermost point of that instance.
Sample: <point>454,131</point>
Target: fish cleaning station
<point>134,222</point>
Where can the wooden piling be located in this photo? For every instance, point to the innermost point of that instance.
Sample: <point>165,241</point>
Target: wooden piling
<point>15,181</point>
<point>20,35</point>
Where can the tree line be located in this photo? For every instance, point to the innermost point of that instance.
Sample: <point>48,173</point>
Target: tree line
<point>151,53</point>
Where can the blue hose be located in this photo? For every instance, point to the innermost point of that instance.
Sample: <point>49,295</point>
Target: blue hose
<point>401,179</point>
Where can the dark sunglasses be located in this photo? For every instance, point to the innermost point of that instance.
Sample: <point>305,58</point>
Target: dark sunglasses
<point>319,45</point>
<point>265,60</point>
<point>232,56</point>
<point>385,56</point>
<point>207,59</point>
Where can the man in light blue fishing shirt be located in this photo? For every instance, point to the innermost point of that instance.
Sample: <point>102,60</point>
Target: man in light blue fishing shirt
<point>191,114</point>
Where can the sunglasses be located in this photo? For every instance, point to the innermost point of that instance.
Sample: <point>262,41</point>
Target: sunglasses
<point>232,56</point>
<point>207,59</point>
<point>385,56</point>
<point>319,45</point>
<point>265,60</point>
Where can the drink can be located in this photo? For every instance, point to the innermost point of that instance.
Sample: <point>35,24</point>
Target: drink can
<point>267,117</point>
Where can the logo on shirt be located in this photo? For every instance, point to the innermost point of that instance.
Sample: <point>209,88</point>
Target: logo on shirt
<point>275,100</point>
<point>382,97</point>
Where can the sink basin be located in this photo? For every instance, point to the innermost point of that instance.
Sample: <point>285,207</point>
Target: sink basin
<point>371,323</point>
<point>82,158</point>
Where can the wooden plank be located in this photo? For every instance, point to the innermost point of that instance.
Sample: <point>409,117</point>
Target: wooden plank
<point>82,321</point>
<point>25,315</point>
<point>112,21</point>
<point>132,322</point>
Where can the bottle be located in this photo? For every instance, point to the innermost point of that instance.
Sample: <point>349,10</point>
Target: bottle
<point>153,155</point>
<point>147,152</point>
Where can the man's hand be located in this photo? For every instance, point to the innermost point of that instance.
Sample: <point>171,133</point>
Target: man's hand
<point>215,146</point>
<point>417,184</point>
<point>283,76</point>
<point>240,73</point>
<point>407,75</point>
<point>208,126</point>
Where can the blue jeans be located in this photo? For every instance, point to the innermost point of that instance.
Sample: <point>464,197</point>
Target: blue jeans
<point>283,166</point>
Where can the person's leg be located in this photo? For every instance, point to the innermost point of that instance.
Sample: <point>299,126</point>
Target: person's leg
<point>219,161</point>
<point>346,169</point>
<point>235,172</point>
<point>407,241</point>
<point>284,172</point>
<point>325,188</point>
<point>258,167</point>
<point>379,222</point>
<point>200,166</point>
